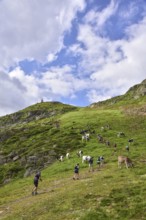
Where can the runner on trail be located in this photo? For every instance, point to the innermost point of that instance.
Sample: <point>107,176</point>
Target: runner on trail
<point>36,181</point>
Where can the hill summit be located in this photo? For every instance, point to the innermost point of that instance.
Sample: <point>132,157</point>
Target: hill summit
<point>36,136</point>
<point>138,90</point>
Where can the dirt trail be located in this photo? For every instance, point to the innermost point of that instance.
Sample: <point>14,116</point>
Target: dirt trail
<point>6,209</point>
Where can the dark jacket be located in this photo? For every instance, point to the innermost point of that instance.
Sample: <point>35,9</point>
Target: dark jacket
<point>76,169</point>
<point>91,161</point>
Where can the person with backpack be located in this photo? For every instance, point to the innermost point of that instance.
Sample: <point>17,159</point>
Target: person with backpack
<point>36,181</point>
<point>76,172</point>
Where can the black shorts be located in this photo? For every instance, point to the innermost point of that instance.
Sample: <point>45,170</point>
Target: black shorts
<point>76,171</point>
<point>36,183</point>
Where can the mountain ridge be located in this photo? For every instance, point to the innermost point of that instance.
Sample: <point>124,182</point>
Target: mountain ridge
<point>35,136</point>
<point>135,95</point>
<point>38,135</point>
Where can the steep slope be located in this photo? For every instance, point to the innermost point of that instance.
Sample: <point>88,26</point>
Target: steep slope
<point>107,193</point>
<point>136,95</point>
<point>31,139</point>
<point>34,137</point>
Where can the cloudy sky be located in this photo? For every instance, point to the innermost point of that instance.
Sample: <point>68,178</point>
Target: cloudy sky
<point>73,51</point>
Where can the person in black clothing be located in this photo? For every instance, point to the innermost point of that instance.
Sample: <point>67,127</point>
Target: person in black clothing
<point>98,162</point>
<point>36,181</point>
<point>91,164</point>
<point>76,172</point>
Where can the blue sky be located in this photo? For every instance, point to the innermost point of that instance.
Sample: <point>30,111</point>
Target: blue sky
<point>74,51</point>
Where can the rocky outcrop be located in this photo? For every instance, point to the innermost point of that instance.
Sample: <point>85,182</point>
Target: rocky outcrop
<point>27,163</point>
<point>138,90</point>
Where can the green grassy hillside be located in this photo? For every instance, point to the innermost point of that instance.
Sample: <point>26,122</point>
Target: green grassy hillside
<point>106,193</point>
<point>32,138</point>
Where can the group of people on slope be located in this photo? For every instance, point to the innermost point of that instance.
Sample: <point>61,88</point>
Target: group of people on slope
<point>99,162</point>
<point>37,176</point>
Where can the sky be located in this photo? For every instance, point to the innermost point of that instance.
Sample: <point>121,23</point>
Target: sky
<point>73,51</point>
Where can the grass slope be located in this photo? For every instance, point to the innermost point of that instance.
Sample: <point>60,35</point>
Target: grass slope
<point>108,193</point>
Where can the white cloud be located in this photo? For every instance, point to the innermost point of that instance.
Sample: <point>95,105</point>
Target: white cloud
<point>113,66</point>
<point>28,82</point>
<point>18,90</point>
<point>95,96</point>
<point>99,18</point>
<point>51,57</point>
<point>98,50</point>
<point>61,82</point>
<point>33,29</point>
<point>131,10</point>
